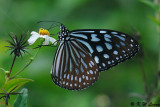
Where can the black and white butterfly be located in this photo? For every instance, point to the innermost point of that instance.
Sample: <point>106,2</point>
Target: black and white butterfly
<point>82,54</point>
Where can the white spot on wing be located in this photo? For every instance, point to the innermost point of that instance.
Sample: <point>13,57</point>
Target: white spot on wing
<point>68,76</point>
<point>123,35</point>
<point>83,76</point>
<point>106,55</point>
<point>96,59</point>
<point>94,38</point>
<point>77,71</point>
<point>122,43</point>
<point>82,69</point>
<point>109,46</point>
<point>118,46</point>
<point>92,62</point>
<point>115,52</point>
<point>80,79</point>
<point>64,75</point>
<point>86,77</point>
<point>102,31</point>
<point>76,78</point>
<point>70,85</point>
<point>63,82</point>
<point>71,77</point>
<point>117,58</point>
<point>122,38</point>
<point>84,83</point>
<point>99,48</point>
<point>104,64</point>
<point>80,35</point>
<point>107,39</point>
<point>109,62</point>
<point>91,72</point>
<point>75,84</point>
<point>114,32</point>
<point>107,36</point>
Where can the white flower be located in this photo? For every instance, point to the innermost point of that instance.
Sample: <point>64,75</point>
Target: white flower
<point>42,34</point>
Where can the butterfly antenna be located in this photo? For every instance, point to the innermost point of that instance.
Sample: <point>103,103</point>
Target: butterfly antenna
<point>50,21</point>
<point>54,24</point>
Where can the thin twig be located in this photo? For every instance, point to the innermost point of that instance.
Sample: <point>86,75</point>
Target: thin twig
<point>12,66</point>
<point>25,65</point>
<point>21,69</point>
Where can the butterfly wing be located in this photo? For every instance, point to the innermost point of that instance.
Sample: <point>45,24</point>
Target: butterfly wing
<point>107,47</point>
<point>73,68</point>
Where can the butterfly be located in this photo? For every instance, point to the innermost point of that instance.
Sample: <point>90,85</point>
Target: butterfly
<point>82,54</point>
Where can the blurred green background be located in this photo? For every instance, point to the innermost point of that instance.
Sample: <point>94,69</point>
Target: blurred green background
<point>116,86</point>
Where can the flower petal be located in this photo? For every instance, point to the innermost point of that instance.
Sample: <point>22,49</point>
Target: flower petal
<point>49,39</point>
<point>53,40</point>
<point>46,42</point>
<point>33,38</point>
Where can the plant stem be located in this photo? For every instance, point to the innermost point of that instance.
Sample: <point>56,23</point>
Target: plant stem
<point>144,77</point>
<point>12,66</point>
<point>22,69</point>
<point>31,59</point>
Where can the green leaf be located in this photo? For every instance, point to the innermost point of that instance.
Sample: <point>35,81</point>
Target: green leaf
<point>150,3</point>
<point>21,100</point>
<point>2,77</point>
<point>18,82</point>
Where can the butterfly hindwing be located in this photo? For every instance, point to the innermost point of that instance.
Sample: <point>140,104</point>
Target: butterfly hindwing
<point>73,68</point>
<point>106,47</point>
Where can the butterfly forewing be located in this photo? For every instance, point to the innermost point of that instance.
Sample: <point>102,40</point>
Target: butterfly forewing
<point>73,68</point>
<point>106,47</point>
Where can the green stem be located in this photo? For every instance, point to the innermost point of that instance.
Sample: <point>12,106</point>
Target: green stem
<point>144,78</point>
<point>31,59</point>
<point>22,69</point>
<point>12,66</point>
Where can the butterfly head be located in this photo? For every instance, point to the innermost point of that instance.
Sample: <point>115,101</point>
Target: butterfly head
<point>63,34</point>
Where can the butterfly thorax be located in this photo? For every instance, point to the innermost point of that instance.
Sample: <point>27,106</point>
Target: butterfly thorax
<point>63,35</point>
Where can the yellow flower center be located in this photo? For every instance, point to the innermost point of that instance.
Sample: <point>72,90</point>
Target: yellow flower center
<point>43,31</point>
